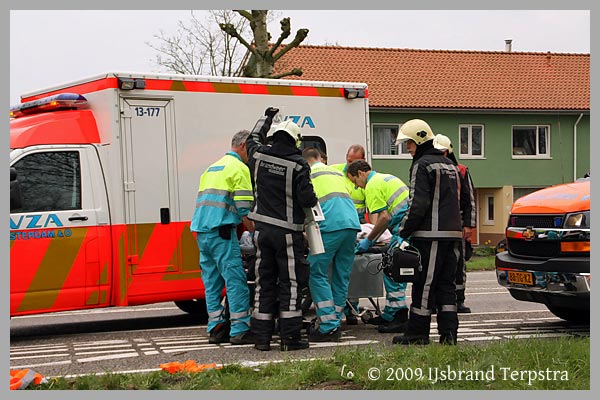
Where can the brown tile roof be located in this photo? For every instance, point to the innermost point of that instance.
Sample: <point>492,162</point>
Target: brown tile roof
<point>451,79</point>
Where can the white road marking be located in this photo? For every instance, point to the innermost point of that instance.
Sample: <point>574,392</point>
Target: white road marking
<point>112,346</point>
<point>40,364</point>
<point>111,357</point>
<point>41,356</point>
<point>16,353</point>
<point>179,349</point>
<point>83,353</point>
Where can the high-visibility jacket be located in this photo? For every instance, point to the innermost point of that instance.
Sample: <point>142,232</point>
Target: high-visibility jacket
<point>334,199</point>
<point>357,194</point>
<point>386,192</point>
<point>21,378</point>
<point>224,196</point>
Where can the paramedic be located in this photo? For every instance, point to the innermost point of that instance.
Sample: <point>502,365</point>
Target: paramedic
<point>433,225</point>
<point>338,232</point>
<point>224,200</point>
<point>468,214</point>
<point>386,199</point>
<point>355,152</point>
<point>282,190</point>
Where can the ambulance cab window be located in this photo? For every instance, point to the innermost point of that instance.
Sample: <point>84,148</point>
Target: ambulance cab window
<point>49,181</point>
<point>313,141</point>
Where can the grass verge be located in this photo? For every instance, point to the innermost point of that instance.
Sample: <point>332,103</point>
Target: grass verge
<point>532,364</point>
<point>479,263</point>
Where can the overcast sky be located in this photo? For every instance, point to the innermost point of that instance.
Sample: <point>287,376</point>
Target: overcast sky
<point>55,46</point>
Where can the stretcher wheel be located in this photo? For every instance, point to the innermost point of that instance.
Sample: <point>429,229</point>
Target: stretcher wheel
<point>367,315</point>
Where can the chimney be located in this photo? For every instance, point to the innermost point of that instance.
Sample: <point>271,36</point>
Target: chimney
<point>508,45</point>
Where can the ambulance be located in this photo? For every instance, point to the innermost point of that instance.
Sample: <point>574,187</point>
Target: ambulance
<point>104,174</point>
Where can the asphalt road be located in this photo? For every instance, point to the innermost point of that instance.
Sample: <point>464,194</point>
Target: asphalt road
<point>141,338</point>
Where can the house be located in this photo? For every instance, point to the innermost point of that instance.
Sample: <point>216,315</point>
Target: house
<point>520,121</point>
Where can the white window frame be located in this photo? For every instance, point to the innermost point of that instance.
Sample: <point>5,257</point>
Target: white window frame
<point>531,156</point>
<point>469,155</point>
<point>399,156</point>
<point>486,205</point>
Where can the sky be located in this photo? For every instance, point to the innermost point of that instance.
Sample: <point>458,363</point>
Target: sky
<point>56,46</point>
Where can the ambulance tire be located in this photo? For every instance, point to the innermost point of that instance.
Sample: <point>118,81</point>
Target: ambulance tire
<point>196,307</point>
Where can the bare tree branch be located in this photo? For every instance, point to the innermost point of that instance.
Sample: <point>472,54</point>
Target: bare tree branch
<point>300,36</point>
<point>295,71</point>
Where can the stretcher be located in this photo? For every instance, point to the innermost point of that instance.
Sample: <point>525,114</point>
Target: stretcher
<point>366,281</point>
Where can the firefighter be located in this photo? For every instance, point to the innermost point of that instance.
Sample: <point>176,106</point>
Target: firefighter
<point>386,199</point>
<point>355,152</point>
<point>338,232</point>
<point>433,226</point>
<point>224,200</point>
<point>469,217</point>
<point>282,190</point>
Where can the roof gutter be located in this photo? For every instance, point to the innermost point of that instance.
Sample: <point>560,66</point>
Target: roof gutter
<point>476,110</point>
<point>575,147</point>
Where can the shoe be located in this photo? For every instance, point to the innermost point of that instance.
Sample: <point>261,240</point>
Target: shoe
<point>378,320</point>
<point>243,338</point>
<point>448,338</point>
<point>462,309</point>
<point>316,335</point>
<point>262,346</point>
<point>410,339</point>
<point>219,334</point>
<point>351,319</point>
<point>293,344</point>
<point>396,325</point>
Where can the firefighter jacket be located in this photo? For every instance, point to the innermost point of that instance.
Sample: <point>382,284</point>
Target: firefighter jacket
<point>334,199</point>
<point>386,192</point>
<point>282,186</point>
<point>357,194</point>
<point>224,196</point>
<point>433,203</point>
<point>468,209</point>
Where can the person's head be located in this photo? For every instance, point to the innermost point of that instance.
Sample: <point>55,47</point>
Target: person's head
<point>238,144</point>
<point>312,155</point>
<point>323,156</point>
<point>416,131</point>
<point>443,143</point>
<point>358,172</point>
<point>289,132</point>
<point>355,152</point>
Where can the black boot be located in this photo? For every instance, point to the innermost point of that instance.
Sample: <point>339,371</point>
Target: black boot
<point>219,334</point>
<point>396,325</point>
<point>351,319</point>
<point>461,308</point>
<point>410,339</point>
<point>291,344</point>
<point>448,338</point>
<point>316,335</point>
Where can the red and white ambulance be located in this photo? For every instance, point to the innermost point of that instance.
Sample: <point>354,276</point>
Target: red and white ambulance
<point>105,172</point>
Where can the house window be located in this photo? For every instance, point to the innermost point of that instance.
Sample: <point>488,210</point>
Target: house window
<point>531,141</point>
<point>489,209</point>
<point>471,141</point>
<point>384,142</point>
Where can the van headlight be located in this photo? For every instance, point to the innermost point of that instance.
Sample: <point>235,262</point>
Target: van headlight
<point>577,220</point>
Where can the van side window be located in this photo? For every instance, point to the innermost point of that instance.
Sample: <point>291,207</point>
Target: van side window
<point>313,141</point>
<point>50,181</point>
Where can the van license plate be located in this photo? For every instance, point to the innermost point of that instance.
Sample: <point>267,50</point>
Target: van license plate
<point>521,278</point>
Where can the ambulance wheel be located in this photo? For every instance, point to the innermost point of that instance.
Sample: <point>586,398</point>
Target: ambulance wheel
<point>195,307</point>
<point>367,315</point>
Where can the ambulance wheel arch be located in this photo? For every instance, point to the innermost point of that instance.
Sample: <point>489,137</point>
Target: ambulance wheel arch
<point>60,236</point>
<point>195,307</point>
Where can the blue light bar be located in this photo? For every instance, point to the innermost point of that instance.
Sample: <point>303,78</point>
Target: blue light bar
<point>51,103</point>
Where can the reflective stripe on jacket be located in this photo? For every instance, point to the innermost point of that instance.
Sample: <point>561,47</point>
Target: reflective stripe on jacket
<point>335,201</point>
<point>357,194</point>
<point>224,196</point>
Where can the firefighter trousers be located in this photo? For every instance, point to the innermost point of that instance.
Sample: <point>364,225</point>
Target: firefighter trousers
<point>461,274</point>
<point>434,287</point>
<point>330,298</point>
<point>281,273</point>
<point>221,265</point>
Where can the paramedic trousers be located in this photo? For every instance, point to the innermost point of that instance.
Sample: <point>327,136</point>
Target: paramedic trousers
<point>329,298</point>
<point>434,287</point>
<point>221,265</point>
<point>461,275</point>
<point>281,273</point>
<point>395,293</point>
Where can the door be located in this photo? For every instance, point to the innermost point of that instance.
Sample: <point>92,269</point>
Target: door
<point>150,186</point>
<point>60,237</point>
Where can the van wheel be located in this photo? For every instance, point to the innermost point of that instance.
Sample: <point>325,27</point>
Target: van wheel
<point>194,307</point>
<point>571,314</point>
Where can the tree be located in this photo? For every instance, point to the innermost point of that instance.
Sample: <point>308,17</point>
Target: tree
<point>200,48</point>
<point>263,56</point>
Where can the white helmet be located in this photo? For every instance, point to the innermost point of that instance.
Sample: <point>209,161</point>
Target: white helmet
<point>415,129</point>
<point>289,127</point>
<point>442,142</point>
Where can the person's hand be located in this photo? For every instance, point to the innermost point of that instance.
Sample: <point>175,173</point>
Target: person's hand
<point>467,233</point>
<point>271,112</point>
<point>404,244</point>
<point>363,246</point>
